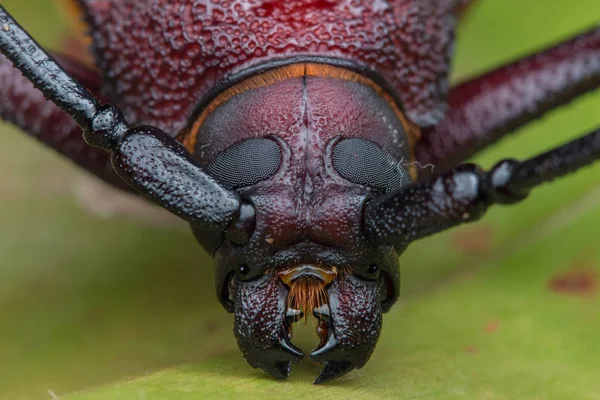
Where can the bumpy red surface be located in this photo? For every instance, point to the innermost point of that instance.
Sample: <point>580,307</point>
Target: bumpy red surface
<point>161,57</point>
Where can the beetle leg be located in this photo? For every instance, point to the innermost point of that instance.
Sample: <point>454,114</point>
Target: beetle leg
<point>484,109</point>
<point>464,193</point>
<point>26,107</point>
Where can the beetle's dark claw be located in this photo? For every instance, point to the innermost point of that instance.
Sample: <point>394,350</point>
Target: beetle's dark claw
<point>323,352</point>
<point>263,326</point>
<point>335,359</point>
<point>276,361</point>
<point>349,326</point>
<point>333,370</point>
<point>294,352</point>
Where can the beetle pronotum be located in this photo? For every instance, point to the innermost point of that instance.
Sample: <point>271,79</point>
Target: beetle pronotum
<point>289,140</point>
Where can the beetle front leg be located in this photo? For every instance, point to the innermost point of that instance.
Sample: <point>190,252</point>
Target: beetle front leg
<point>484,109</point>
<point>464,193</point>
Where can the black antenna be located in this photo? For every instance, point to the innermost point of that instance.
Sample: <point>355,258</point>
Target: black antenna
<point>464,193</point>
<point>45,74</point>
<point>148,159</point>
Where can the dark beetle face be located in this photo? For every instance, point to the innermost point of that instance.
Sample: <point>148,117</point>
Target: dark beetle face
<point>305,153</point>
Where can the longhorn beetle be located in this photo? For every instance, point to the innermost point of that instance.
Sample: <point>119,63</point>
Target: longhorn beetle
<point>287,134</point>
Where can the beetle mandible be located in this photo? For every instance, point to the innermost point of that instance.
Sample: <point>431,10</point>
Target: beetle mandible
<point>290,136</point>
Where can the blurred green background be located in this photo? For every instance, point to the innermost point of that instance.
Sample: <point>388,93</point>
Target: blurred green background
<point>98,293</point>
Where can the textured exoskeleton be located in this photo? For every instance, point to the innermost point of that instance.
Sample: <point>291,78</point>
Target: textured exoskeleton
<point>290,135</point>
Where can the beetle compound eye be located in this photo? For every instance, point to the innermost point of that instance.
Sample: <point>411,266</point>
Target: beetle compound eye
<point>246,163</point>
<point>364,162</point>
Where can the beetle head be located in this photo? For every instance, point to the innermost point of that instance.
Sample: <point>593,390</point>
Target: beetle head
<point>270,283</point>
<point>287,271</point>
<point>305,164</point>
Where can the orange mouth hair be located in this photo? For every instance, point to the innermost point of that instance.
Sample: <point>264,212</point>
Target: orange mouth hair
<point>306,294</point>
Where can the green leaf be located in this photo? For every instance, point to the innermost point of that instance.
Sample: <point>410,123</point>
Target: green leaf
<point>104,307</point>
